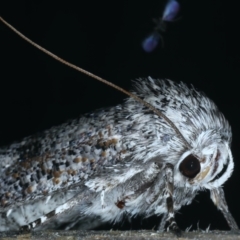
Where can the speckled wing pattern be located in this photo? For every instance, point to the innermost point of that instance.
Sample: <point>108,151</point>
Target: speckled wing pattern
<point>110,162</point>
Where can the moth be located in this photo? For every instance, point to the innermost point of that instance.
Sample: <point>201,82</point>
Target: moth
<point>148,156</point>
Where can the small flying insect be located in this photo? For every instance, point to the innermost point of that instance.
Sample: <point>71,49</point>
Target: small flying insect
<point>170,12</point>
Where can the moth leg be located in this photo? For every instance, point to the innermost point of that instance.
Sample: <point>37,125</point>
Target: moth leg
<point>162,224</point>
<point>103,198</point>
<point>168,178</point>
<point>218,198</point>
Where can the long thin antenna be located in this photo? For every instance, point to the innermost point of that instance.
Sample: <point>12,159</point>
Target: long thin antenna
<point>160,114</point>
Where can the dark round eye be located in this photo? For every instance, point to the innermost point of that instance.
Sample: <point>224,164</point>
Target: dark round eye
<point>190,167</point>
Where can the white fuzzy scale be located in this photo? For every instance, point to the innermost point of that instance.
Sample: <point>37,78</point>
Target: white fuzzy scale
<point>96,166</point>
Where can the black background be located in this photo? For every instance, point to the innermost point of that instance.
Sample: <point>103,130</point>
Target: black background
<point>104,37</point>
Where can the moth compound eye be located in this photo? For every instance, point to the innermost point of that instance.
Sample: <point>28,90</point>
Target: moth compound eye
<point>190,167</point>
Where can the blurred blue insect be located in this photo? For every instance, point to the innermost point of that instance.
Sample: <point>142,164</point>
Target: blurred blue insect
<point>151,42</point>
<point>170,12</point>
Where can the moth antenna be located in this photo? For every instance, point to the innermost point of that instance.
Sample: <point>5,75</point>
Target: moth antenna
<point>157,112</point>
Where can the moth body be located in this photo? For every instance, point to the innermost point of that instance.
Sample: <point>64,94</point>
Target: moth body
<point>120,161</point>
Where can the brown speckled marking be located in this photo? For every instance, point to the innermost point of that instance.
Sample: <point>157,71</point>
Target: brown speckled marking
<point>104,154</point>
<point>4,202</point>
<point>99,142</point>
<point>15,175</point>
<point>100,134</point>
<point>56,174</point>
<point>110,142</point>
<point>56,181</point>
<point>91,140</point>
<point>74,172</point>
<point>45,192</point>
<point>123,151</point>
<point>29,189</point>
<point>77,160</point>
<point>8,194</point>
<point>120,204</point>
<point>114,141</point>
<point>25,164</point>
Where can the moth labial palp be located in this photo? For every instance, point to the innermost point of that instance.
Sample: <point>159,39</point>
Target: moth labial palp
<point>126,160</point>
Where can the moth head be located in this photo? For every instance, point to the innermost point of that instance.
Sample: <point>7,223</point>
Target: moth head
<point>207,165</point>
